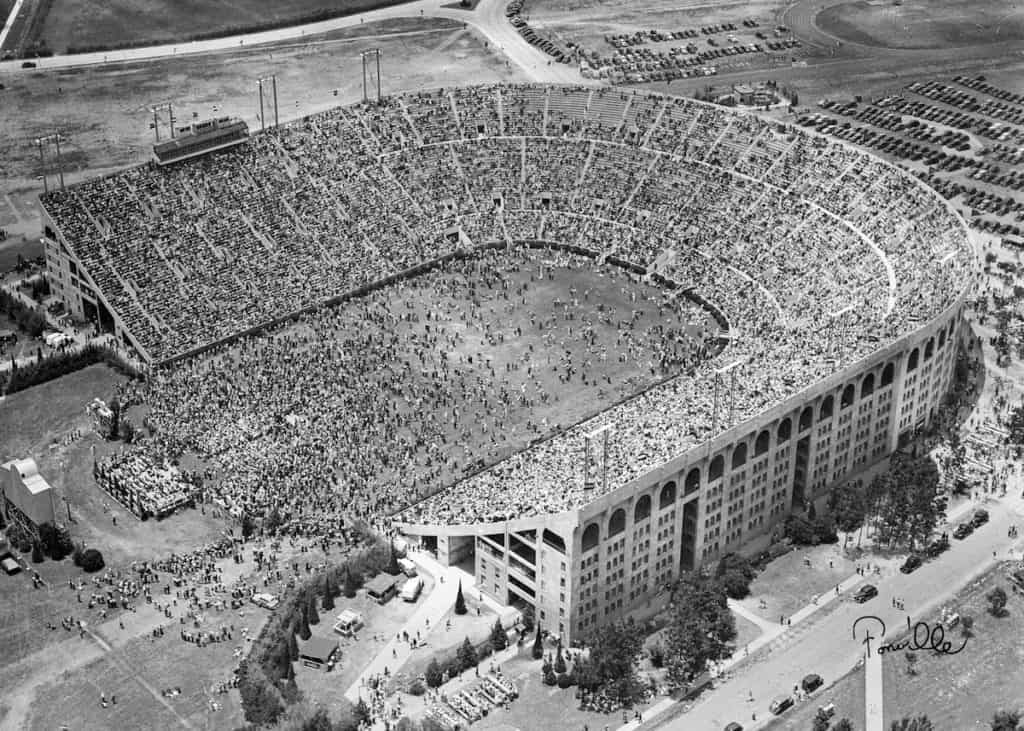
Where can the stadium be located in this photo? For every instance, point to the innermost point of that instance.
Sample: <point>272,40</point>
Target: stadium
<point>837,281</point>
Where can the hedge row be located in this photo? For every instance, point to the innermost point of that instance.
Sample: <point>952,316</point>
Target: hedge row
<point>46,369</point>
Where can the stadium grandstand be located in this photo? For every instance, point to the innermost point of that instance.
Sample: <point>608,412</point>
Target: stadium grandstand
<point>839,281</point>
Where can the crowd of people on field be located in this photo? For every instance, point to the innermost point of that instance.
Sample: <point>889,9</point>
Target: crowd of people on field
<point>813,253</point>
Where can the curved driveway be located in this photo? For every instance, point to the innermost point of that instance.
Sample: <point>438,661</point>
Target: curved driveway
<point>488,19</point>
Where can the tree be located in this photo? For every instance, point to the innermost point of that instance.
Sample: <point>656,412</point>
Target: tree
<point>614,651</point>
<point>843,724</point>
<point>311,614</point>
<point>1007,721</point>
<point>37,552</point>
<point>848,504</point>
<point>967,625</point>
<point>559,666</point>
<point>352,583</point>
<point>293,645</point>
<point>537,652</point>
<point>393,568</point>
<point>115,418</point>
<point>248,526</point>
<point>735,572</point>
<point>48,540</point>
<point>799,530</point>
<point>65,546</point>
<point>92,561</point>
<point>701,629</point>
<point>820,722</point>
<point>499,640</point>
<point>319,721</point>
<point>303,622</point>
<point>460,601</point>
<point>466,655</point>
<point>433,673</point>
<point>997,602</point>
<point>921,723</point>
<point>362,712</point>
<point>328,600</point>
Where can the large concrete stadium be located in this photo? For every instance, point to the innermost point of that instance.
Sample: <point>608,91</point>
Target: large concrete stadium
<point>840,278</point>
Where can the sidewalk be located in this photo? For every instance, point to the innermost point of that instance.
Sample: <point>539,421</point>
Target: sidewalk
<point>771,631</point>
<point>873,720</point>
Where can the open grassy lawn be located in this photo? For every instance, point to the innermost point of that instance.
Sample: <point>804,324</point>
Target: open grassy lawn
<point>119,22</point>
<point>788,584</point>
<point>963,691</point>
<point>924,23</point>
<point>103,111</point>
<point>32,420</point>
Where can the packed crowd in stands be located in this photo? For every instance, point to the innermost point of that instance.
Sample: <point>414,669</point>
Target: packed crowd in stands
<point>813,253</point>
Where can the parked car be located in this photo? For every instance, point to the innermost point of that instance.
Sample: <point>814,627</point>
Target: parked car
<point>811,682</point>
<point>912,563</point>
<point>734,727</point>
<point>962,531</point>
<point>939,545</point>
<point>980,517</point>
<point>781,704</point>
<point>865,593</point>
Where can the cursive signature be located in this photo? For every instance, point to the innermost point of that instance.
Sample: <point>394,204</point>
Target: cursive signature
<point>923,637</point>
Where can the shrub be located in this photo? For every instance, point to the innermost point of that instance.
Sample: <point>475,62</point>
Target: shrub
<point>433,674</point>
<point>460,602</point>
<point>417,688</point>
<point>92,561</point>
<point>549,677</point>
<point>563,680</point>
<point>37,552</point>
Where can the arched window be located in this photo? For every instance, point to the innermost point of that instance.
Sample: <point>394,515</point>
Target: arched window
<point>952,326</point>
<point>717,468</point>
<point>591,536</point>
<point>764,440</point>
<point>867,386</point>
<point>806,418</point>
<point>642,511</point>
<point>785,427</point>
<point>929,348</point>
<point>826,407</point>
<point>912,363</point>
<point>849,394</point>
<point>739,455</point>
<point>942,339</point>
<point>668,495</point>
<point>617,524</point>
<point>692,483</point>
<point>887,374</point>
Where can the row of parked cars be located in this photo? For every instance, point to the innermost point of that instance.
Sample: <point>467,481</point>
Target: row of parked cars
<point>512,12</point>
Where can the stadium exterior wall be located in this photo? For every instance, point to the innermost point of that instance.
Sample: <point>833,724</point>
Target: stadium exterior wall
<point>576,580</point>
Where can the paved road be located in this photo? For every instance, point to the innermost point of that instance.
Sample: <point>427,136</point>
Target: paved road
<point>488,19</point>
<point>825,645</point>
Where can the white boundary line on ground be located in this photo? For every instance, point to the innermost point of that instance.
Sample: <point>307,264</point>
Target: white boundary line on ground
<point>10,22</point>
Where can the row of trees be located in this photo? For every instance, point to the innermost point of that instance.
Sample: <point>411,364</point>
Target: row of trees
<point>18,378</point>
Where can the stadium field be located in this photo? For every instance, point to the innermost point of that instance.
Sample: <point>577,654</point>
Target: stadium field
<point>921,24</point>
<point>119,23</point>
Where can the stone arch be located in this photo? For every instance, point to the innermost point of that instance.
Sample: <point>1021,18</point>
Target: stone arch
<point>785,430</point>
<point>764,441</point>
<point>867,386</point>
<point>887,374</point>
<point>717,468</point>
<point>642,510</point>
<point>806,418</point>
<point>848,397</point>
<point>617,523</point>
<point>739,455</point>
<point>912,361</point>
<point>692,483</point>
<point>668,495</point>
<point>827,404</point>
<point>591,536</point>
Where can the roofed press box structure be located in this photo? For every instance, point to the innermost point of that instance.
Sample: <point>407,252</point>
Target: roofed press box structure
<point>839,278</point>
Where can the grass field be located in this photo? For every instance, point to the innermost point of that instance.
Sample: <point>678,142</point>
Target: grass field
<point>848,696</point>
<point>923,23</point>
<point>81,23</point>
<point>106,126</point>
<point>788,584</point>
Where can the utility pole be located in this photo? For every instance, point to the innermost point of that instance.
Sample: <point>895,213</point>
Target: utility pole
<point>365,56</point>
<point>55,140</point>
<point>272,80</point>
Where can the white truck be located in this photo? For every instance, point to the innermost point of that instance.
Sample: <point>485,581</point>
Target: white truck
<point>411,589</point>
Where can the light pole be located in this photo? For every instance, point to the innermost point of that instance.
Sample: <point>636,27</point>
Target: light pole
<point>719,372</point>
<point>272,79</point>
<point>161,107</point>
<point>373,53</point>
<point>40,143</point>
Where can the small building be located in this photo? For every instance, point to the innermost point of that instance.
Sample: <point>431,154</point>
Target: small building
<point>348,623</point>
<point>27,496</point>
<point>382,588</point>
<point>319,652</point>
<point>8,336</point>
